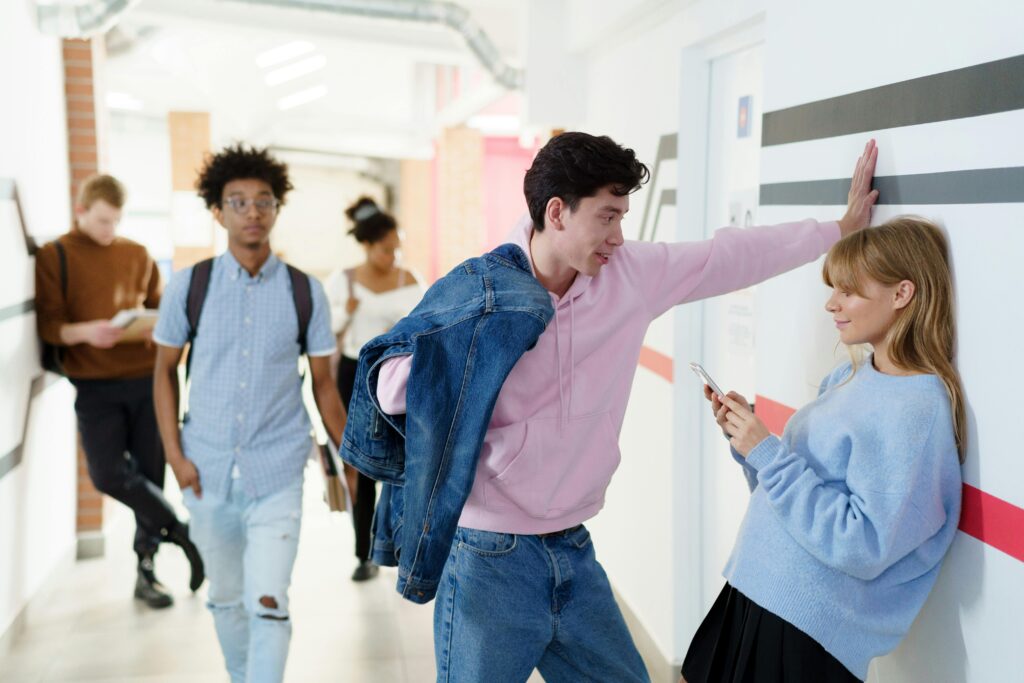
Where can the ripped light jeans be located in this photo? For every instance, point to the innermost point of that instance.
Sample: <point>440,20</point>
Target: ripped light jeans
<point>248,546</point>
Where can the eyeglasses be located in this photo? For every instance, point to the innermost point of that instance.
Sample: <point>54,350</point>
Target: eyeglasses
<point>240,206</point>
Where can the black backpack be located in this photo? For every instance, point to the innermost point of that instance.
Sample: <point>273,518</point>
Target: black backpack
<point>52,358</point>
<point>199,283</point>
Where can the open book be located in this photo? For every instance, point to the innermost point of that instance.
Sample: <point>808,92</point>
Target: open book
<point>135,322</point>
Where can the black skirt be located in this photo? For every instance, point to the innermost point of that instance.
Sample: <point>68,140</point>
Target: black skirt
<point>740,642</point>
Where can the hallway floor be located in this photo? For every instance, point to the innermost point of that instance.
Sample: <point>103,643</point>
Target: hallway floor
<point>90,629</point>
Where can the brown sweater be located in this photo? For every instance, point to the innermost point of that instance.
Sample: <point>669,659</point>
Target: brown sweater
<point>101,281</point>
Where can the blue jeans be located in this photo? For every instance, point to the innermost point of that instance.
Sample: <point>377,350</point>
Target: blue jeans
<point>248,546</point>
<point>508,604</point>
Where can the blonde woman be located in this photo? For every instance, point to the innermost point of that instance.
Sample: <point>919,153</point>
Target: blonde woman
<point>367,301</point>
<point>854,507</point>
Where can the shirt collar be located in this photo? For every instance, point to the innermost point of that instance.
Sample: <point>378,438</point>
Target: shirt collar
<point>235,270</point>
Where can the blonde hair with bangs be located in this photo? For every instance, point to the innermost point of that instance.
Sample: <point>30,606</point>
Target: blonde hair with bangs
<point>923,336</point>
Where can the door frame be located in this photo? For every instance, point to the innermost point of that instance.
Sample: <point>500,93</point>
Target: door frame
<point>691,213</point>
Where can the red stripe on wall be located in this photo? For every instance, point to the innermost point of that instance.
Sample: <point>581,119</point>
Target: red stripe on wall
<point>991,520</point>
<point>774,415</point>
<point>656,362</point>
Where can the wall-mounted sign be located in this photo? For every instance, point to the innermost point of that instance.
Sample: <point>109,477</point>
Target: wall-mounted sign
<point>743,117</point>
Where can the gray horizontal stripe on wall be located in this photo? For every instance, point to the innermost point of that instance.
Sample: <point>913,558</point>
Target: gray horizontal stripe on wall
<point>17,309</point>
<point>976,186</point>
<point>978,90</point>
<point>13,458</point>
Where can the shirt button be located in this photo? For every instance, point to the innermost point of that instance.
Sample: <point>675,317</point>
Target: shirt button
<point>248,320</point>
<point>240,417</point>
<point>241,384</point>
<point>245,352</point>
<point>238,449</point>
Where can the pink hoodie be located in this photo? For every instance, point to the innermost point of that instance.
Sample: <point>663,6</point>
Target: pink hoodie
<point>552,444</point>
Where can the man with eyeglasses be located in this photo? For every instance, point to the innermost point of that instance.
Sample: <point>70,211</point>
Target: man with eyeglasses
<point>241,450</point>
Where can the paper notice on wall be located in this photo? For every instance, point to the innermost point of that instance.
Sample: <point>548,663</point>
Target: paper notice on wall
<point>740,321</point>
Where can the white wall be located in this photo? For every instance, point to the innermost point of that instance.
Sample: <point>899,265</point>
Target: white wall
<point>645,75</point>
<point>37,497</point>
<point>966,630</point>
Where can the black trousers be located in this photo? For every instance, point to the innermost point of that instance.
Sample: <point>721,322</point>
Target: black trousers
<point>366,497</point>
<point>124,453</point>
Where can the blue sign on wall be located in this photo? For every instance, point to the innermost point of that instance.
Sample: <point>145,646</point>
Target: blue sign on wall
<point>744,116</point>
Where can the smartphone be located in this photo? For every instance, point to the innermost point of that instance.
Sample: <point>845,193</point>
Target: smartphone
<point>706,378</point>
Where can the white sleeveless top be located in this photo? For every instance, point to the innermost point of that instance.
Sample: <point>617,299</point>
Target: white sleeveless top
<point>377,312</point>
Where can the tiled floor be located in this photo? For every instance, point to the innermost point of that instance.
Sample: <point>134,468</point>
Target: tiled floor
<point>90,629</point>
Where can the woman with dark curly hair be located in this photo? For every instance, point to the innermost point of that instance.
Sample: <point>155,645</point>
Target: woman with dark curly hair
<point>367,301</point>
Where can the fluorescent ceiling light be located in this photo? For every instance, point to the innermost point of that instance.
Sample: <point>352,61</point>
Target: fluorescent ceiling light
<point>282,53</point>
<point>120,100</point>
<point>301,97</point>
<point>296,69</point>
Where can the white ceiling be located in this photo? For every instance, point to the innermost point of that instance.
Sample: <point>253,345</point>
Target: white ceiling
<point>379,75</point>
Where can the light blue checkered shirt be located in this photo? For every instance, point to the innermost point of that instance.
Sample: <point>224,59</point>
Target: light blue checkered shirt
<point>245,398</point>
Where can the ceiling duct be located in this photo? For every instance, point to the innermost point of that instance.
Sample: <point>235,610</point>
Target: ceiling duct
<point>448,14</point>
<point>80,19</point>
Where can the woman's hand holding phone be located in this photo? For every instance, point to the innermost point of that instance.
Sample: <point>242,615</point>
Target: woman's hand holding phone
<point>744,429</point>
<point>719,409</point>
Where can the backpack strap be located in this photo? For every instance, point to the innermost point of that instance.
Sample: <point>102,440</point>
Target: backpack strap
<point>302,295</point>
<point>198,285</point>
<point>63,257</point>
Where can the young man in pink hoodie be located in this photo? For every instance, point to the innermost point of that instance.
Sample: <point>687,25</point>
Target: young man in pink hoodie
<point>522,588</point>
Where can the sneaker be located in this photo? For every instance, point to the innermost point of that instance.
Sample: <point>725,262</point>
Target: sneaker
<point>148,589</point>
<point>178,535</point>
<point>365,571</point>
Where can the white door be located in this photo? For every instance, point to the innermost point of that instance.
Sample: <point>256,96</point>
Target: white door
<point>734,146</point>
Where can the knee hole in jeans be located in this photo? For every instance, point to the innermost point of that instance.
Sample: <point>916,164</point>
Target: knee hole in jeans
<point>271,603</point>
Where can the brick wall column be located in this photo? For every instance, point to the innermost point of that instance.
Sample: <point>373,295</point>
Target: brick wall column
<point>86,115</point>
<point>415,214</point>
<point>460,216</point>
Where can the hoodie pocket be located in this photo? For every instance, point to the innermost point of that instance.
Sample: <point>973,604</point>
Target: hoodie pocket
<point>559,469</point>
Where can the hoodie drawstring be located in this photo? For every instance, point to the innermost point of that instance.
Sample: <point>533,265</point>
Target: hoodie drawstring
<point>565,411</point>
<point>558,357</point>
<point>572,354</point>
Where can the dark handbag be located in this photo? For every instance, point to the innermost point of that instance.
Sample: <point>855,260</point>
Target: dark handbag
<point>52,357</point>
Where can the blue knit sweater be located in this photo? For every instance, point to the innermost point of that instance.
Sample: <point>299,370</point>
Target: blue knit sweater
<point>852,511</point>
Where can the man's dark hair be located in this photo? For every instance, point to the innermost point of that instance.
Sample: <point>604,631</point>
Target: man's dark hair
<point>241,163</point>
<point>577,165</point>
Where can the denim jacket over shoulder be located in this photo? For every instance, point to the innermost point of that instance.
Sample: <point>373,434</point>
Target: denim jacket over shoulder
<point>467,333</point>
